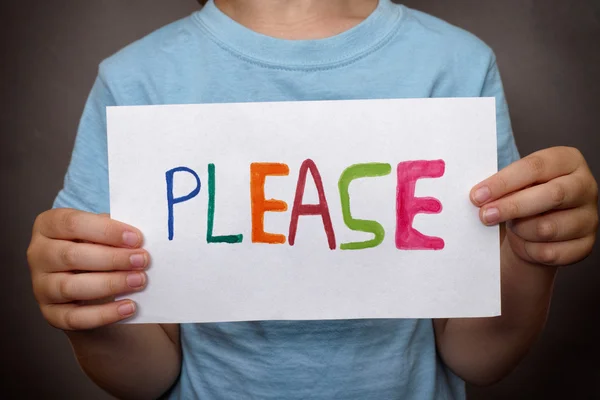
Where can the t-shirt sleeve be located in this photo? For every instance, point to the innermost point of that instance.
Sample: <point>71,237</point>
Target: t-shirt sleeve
<point>507,148</point>
<point>86,181</point>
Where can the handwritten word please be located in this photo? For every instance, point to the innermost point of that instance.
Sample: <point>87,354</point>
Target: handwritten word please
<point>407,205</point>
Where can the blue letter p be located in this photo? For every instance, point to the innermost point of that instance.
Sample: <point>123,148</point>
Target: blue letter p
<point>171,201</point>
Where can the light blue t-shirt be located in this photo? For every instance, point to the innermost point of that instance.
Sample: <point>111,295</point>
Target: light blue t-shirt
<point>396,52</point>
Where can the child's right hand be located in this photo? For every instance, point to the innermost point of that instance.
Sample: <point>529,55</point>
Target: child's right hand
<point>79,261</point>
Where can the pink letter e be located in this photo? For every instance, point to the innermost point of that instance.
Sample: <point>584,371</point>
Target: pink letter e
<point>407,205</point>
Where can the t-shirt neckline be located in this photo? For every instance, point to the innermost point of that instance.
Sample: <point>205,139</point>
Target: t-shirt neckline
<point>360,40</point>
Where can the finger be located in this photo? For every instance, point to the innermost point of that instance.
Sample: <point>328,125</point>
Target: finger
<point>557,226</point>
<point>71,317</point>
<point>68,224</point>
<point>64,256</point>
<point>69,287</point>
<point>560,193</point>
<point>536,168</point>
<point>553,253</point>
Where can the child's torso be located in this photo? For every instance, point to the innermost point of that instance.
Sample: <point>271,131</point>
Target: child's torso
<point>400,55</point>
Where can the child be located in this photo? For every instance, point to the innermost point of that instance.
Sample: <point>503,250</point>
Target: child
<point>274,50</point>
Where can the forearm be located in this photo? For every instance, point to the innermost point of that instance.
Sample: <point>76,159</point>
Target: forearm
<point>130,361</point>
<point>484,350</point>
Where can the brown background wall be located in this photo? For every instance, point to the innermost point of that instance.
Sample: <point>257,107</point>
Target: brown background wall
<point>548,51</point>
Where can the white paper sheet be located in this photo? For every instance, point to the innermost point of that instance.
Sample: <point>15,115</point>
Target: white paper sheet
<point>191,280</point>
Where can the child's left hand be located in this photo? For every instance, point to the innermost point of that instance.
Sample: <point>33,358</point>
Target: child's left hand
<point>549,200</point>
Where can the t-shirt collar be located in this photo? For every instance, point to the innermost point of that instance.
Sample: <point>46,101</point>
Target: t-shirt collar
<point>356,42</point>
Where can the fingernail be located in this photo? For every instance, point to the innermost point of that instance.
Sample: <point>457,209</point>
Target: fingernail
<point>491,216</point>
<point>482,195</point>
<point>131,239</point>
<point>138,260</point>
<point>135,280</point>
<point>126,309</point>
